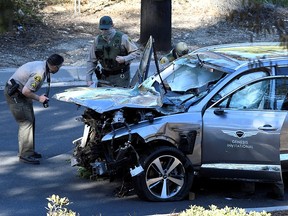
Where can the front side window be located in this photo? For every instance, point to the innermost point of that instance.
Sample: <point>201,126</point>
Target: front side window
<point>240,81</point>
<point>237,82</point>
<point>268,94</point>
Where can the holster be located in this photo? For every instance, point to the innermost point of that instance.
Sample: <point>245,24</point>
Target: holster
<point>12,89</point>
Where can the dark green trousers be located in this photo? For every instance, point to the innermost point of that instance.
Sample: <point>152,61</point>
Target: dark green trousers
<point>118,80</point>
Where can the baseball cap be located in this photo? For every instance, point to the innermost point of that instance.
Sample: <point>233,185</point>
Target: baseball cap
<point>55,60</point>
<point>105,22</point>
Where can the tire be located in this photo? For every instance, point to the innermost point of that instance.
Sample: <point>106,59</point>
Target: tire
<point>167,176</point>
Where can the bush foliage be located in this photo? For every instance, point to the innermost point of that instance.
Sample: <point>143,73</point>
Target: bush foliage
<point>57,206</point>
<point>215,211</point>
<point>254,15</point>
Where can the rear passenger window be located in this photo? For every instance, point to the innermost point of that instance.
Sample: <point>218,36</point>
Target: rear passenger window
<point>281,94</point>
<point>283,70</point>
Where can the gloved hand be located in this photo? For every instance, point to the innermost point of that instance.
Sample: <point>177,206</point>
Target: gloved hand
<point>120,59</point>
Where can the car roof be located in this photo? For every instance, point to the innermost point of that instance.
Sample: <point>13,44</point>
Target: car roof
<point>249,51</point>
<point>229,57</point>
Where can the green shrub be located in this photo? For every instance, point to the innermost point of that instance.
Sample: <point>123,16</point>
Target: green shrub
<point>84,173</point>
<point>57,206</point>
<point>215,211</point>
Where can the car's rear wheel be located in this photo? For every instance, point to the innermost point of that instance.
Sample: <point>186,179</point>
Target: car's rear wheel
<point>167,176</point>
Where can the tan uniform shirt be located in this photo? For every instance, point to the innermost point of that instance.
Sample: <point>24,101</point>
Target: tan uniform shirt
<point>32,75</point>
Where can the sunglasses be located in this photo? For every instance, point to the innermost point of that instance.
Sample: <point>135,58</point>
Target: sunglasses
<point>54,68</point>
<point>58,66</point>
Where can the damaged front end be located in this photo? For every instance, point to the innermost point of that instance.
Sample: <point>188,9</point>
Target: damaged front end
<point>109,157</point>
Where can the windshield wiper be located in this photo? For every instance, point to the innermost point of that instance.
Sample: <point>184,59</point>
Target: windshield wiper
<point>200,62</point>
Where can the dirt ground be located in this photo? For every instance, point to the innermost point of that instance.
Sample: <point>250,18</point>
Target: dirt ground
<point>70,33</point>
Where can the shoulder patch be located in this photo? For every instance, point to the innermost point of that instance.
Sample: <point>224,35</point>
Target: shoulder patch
<point>33,85</point>
<point>37,78</point>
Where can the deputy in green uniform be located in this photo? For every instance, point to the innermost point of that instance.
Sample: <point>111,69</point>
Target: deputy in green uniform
<point>179,50</point>
<point>20,91</point>
<point>110,56</point>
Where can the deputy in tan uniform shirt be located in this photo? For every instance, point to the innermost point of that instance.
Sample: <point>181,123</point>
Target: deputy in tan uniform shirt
<point>20,91</point>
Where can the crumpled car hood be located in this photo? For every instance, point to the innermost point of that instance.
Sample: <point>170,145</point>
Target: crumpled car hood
<point>104,99</point>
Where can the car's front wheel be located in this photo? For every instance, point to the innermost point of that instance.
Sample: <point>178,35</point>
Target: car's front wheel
<point>167,176</point>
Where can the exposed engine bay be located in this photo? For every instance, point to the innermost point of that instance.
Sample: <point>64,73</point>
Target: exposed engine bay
<point>109,157</point>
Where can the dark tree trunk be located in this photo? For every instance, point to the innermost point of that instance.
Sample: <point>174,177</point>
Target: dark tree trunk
<point>156,21</point>
<point>6,15</point>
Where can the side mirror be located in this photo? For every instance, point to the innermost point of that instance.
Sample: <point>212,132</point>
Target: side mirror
<point>219,111</point>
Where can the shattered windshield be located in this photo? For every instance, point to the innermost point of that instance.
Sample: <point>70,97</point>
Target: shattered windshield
<point>185,75</point>
<point>188,77</point>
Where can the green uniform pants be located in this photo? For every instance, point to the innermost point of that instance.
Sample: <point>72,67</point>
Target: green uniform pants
<point>22,110</point>
<point>118,80</point>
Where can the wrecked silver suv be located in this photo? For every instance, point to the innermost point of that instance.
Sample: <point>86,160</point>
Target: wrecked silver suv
<point>219,112</point>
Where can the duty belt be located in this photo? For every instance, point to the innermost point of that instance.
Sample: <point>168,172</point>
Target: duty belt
<point>107,73</point>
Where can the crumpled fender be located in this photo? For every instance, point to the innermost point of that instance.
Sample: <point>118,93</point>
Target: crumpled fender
<point>169,128</point>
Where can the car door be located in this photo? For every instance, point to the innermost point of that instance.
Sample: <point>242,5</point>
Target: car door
<point>241,132</point>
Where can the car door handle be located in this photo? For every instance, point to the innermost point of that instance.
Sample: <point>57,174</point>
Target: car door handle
<point>267,127</point>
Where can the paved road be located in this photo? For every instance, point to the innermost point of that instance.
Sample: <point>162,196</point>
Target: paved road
<point>24,188</point>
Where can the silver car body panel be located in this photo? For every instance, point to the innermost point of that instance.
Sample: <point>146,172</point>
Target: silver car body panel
<point>169,128</point>
<point>247,167</point>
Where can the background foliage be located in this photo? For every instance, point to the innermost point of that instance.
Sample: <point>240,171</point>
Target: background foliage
<point>254,14</point>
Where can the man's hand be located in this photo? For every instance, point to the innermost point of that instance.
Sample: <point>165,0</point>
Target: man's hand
<point>29,94</point>
<point>120,59</point>
<point>43,98</point>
